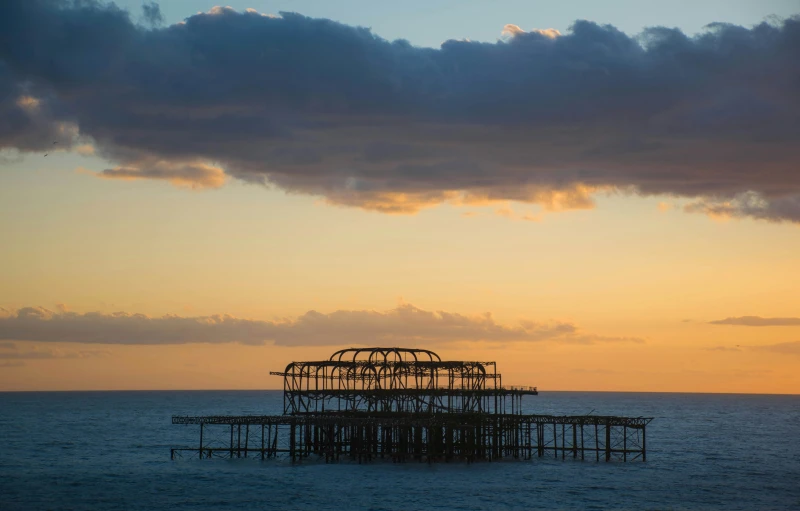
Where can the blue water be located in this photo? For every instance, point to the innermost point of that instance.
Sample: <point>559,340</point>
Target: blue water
<point>110,450</point>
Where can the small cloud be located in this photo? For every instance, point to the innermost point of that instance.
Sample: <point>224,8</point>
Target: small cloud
<point>469,214</point>
<point>37,353</point>
<point>11,363</point>
<point>511,31</point>
<point>250,10</point>
<point>152,14</point>
<point>664,206</point>
<point>218,10</point>
<point>62,307</point>
<point>194,175</point>
<point>550,33</point>
<point>724,348</point>
<point>593,339</point>
<point>757,321</point>
<point>783,348</point>
<point>528,217</point>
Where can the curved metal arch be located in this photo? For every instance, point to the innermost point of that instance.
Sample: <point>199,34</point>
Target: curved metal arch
<point>384,352</point>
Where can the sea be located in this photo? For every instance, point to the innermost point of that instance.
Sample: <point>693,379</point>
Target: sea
<point>111,451</point>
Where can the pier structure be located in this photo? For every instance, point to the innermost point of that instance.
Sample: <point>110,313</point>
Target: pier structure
<point>396,380</point>
<point>408,405</point>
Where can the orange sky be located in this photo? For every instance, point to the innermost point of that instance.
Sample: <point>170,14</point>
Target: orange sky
<point>638,287</point>
<point>576,253</point>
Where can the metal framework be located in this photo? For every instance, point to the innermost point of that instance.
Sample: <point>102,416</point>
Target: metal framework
<point>396,380</point>
<point>409,404</point>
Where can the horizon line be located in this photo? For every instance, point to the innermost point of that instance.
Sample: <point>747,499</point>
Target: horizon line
<point>281,390</point>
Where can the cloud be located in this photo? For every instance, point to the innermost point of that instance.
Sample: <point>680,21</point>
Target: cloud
<point>784,348</point>
<point>403,325</point>
<point>725,348</point>
<point>749,204</point>
<point>315,107</point>
<point>195,175</point>
<point>757,321</point>
<point>511,31</point>
<point>151,12</point>
<point>593,339</point>
<point>9,351</point>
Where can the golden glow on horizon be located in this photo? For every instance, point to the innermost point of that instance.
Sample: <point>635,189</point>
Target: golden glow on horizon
<point>625,269</point>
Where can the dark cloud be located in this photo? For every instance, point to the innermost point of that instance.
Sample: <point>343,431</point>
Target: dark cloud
<point>401,326</point>
<point>757,321</point>
<point>151,12</point>
<point>317,107</point>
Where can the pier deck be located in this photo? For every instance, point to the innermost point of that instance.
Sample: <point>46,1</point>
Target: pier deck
<point>417,437</point>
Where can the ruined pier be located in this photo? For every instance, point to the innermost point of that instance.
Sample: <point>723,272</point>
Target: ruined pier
<point>408,405</point>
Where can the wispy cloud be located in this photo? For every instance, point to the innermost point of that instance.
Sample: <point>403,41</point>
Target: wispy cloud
<point>731,349</point>
<point>757,321</point>
<point>195,175</point>
<point>403,325</point>
<point>317,107</point>
<point>9,351</point>
<point>783,348</point>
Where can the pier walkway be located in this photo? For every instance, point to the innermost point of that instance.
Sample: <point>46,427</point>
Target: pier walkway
<point>417,437</point>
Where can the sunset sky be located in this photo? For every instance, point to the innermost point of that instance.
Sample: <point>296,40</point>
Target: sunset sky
<point>598,196</point>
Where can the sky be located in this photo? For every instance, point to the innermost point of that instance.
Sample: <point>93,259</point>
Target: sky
<point>598,196</point>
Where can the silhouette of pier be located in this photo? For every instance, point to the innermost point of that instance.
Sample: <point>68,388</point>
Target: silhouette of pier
<point>408,405</point>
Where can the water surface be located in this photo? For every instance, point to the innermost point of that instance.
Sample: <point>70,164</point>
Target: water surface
<point>110,451</point>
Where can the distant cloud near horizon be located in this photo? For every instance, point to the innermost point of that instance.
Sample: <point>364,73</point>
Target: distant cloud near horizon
<point>404,325</point>
<point>10,352</point>
<point>317,107</point>
<point>757,321</point>
<point>785,348</point>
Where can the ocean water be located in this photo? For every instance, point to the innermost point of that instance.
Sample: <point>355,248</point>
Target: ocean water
<point>111,450</point>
